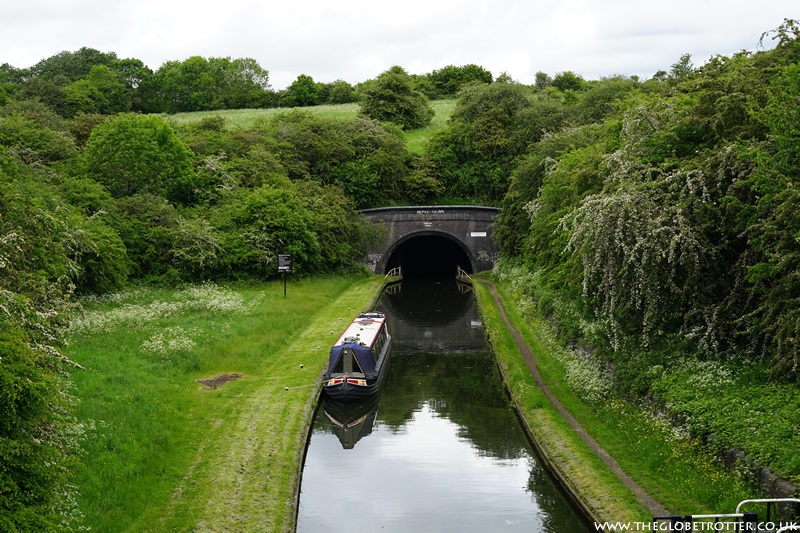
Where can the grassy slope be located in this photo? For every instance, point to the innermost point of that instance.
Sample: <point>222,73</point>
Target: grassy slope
<point>166,455</point>
<point>245,118</point>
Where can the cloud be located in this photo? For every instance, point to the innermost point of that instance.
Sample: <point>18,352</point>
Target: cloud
<point>356,40</point>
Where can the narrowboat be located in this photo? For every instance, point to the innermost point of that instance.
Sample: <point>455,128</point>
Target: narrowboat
<point>358,359</point>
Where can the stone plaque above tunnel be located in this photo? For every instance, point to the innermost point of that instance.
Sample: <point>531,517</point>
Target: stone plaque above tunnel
<point>432,241</point>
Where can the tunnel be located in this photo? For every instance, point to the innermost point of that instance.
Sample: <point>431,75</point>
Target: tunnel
<point>429,256</point>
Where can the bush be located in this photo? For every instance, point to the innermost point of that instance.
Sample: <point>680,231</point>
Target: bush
<point>392,98</point>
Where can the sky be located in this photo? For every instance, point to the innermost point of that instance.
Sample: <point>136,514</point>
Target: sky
<point>356,40</point>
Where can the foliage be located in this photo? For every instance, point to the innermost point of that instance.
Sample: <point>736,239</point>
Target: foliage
<point>446,82</point>
<point>392,98</point>
<point>32,468</point>
<point>302,92</point>
<point>145,225</point>
<point>491,126</point>
<point>338,92</point>
<point>102,91</point>
<point>199,84</point>
<point>678,215</point>
<point>38,260</point>
<point>366,159</point>
<point>774,228</point>
<point>140,154</point>
<point>34,133</point>
<point>674,215</point>
<point>567,81</point>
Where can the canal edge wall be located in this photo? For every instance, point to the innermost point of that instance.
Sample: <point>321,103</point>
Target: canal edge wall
<point>573,487</point>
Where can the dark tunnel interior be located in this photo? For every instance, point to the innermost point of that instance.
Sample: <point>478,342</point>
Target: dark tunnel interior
<point>429,256</point>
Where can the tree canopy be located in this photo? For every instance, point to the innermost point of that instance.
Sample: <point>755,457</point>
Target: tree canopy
<point>393,98</point>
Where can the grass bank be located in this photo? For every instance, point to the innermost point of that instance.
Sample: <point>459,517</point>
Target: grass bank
<point>674,470</point>
<point>183,394</point>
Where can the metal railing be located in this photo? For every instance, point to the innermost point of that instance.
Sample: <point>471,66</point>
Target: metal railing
<point>461,275</point>
<point>739,517</point>
<point>396,272</point>
<point>768,501</point>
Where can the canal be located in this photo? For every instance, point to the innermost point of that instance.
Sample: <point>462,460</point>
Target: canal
<point>440,448</point>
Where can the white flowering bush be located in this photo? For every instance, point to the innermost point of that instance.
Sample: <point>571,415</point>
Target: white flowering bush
<point>170,341</point>
<point>207,297</point>
<point>705,375</point>
<point>587,378</point>
<point>641,253</point>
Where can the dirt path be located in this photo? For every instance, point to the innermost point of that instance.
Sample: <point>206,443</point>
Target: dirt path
<point>530,360</point>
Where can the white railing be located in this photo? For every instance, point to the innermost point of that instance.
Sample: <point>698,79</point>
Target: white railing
<point>767,501</point>
<point>396,272</point>
<point>461,275</point>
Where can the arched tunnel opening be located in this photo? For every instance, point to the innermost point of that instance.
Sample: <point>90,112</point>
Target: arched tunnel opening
<point>429,256</point>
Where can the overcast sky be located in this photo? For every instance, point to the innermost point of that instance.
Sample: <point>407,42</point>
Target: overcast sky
<point>356,40</point>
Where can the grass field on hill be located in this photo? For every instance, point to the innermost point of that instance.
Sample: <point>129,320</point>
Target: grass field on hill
<point>245,118</point>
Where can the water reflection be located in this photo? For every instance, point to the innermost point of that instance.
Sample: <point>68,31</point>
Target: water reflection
<point>440,449</point>
<point>350,421</point>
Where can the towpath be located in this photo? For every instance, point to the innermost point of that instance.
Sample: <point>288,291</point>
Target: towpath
<point>530,360</point>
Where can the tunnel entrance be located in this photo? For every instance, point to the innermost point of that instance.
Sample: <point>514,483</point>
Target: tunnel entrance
<point>429,256</point>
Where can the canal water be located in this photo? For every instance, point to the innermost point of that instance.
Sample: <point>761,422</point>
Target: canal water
<point>440,449</point>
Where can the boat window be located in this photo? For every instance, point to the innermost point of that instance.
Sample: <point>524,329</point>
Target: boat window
<point>339,368</point>
<point>356,366</point>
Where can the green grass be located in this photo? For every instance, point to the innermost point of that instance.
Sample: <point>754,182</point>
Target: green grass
<point>162,452</point>
<point>677,471</point>
<point>417,139</point>
<point>245,118</point>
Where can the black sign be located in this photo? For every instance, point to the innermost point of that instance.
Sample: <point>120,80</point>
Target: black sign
<point>285,263</point>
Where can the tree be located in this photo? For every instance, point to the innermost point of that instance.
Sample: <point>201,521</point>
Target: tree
<point>200,84</point>
<point>268,221</point>
<point>681,69</point>
<point>392,98</point>
<point>73,65</point>
<point>302,92</point>
<point>449,80</point>
<point>136,154</point>
<point>37,433</point>
<point>472,157</point>
<point>568,81</point>
<point>774,224</point>
<point>101,92</point>
<point>543,80</point>
<point>367,159</point>
<point>35,133</point>
<point>340,92</point>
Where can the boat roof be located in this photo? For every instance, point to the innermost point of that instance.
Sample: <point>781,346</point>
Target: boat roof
<point>363,329</point>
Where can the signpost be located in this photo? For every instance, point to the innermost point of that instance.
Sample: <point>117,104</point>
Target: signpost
<point>284,266</point>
